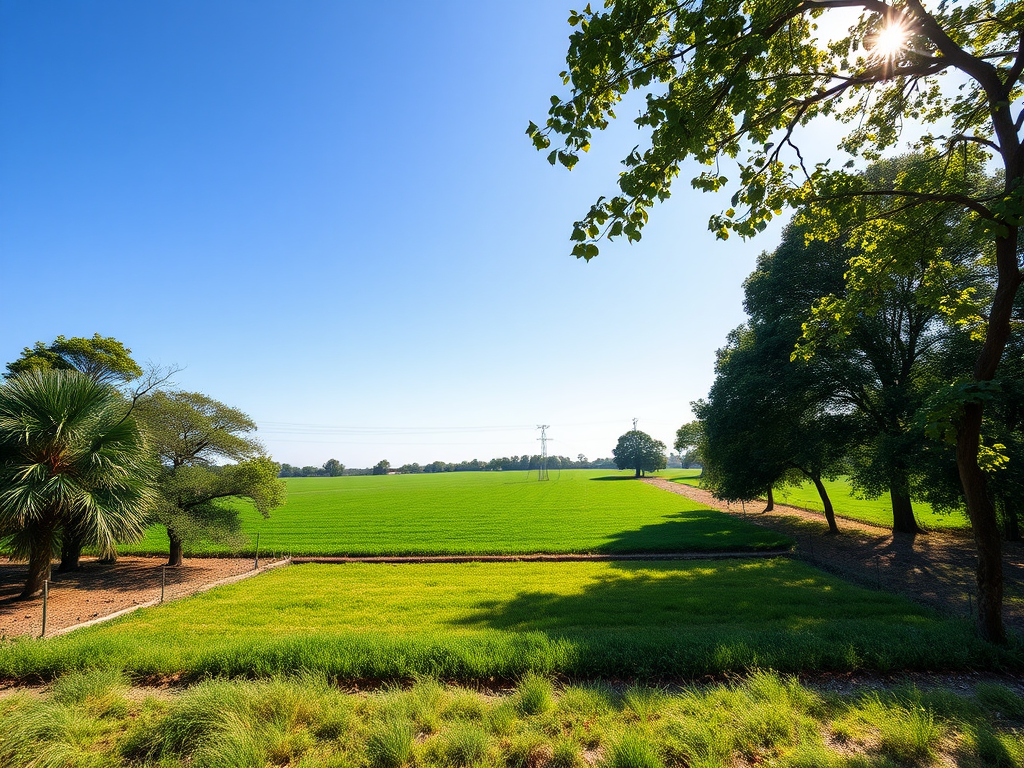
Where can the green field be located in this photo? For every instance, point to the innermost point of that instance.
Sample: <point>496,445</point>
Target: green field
<point>498,620</point>
<point>484,512</point>
<point>845,503</point>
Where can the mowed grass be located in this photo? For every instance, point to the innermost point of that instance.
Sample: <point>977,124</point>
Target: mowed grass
<point>484,513</point>
<point>482,621</point>
<point>845,503</point>
<point>878,511</point>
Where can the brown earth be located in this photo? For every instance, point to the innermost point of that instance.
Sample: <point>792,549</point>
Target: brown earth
<point>100,589</point>
<point>936,568</point>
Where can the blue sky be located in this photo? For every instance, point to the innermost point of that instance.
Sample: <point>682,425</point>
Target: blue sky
<point>330,215</point>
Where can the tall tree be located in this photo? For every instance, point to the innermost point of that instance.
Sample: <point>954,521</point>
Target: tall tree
<point>689,443</point>
<point>73,461</point>
<point>333,467</point>
<point>639,451</point>
<point>101,358</point>
<point>767,419</point>
<point>191,432</point>
<point>727,79</point>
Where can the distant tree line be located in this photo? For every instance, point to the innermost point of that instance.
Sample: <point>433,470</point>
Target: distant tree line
<point>504,464</point>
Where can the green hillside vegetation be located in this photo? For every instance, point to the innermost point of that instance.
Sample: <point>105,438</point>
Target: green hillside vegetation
<point>482,621</point>
<point>307,721</point>
<point>483,512</point>
<point>846,503</point>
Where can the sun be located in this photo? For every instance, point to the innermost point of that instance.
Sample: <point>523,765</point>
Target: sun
<point>889,41</point>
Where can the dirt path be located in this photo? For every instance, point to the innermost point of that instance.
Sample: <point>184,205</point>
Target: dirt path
<point>936,568</point>
<point>101,589</point>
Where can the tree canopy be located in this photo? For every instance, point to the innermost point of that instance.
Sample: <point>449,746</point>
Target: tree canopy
<point>102,359</point>
<point>639,451</point>
<point>191,432</point>
<point>734,85</point>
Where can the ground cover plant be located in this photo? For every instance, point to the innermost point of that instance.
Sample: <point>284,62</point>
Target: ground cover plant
<point>484,512</point>
<point>483,621</point>
<point>845,501</point>
<point>98,719</point>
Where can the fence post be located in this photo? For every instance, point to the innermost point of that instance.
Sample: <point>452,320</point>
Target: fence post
<point>46,597</point>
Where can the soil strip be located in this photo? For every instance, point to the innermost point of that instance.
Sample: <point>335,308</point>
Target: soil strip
<point>548,558</point>
<point>101,590</point>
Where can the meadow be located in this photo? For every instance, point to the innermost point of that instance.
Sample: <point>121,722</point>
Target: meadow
<point>486,621</point>
<point>844,501</point>
<point>483,513</point>
<point>98,719</point>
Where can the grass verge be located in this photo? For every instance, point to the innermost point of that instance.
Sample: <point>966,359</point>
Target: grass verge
<point>765,719</point>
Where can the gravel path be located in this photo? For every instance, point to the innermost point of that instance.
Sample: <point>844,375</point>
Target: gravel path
<point>936,568</point>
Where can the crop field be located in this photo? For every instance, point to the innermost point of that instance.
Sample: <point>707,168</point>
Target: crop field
<point>484,512</point>
<point>483,621</point>
<point>878,511</point>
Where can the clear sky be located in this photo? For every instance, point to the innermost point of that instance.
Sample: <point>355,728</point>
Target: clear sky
<point>330,215</point>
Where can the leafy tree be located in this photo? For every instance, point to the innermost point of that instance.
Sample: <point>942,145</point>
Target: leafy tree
<point>766,421</point>
<point>73,462</point>
<point>103,359</point>
<point>381,467</point>
<point>190,433</point>
<point>689,443</point>
<point>741,80</point>
<point>333,468</point>
<point>639,451</point>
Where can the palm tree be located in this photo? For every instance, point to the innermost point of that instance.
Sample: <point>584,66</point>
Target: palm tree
<point>73,462</point>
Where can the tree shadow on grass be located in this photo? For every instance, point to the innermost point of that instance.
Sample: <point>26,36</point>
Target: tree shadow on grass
<point>606,478</point>
<point>700,530</point>
<point>681,619</point>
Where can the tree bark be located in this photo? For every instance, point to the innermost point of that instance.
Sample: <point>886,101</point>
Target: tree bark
<point>980,509</point>
<point>984,525</point>
<point>826,502</point>
<point>176,558</point>
<point>771,501</point>
<point>903,520</point>
<point>1011,523</point>
<point>38,568</point>
<point>70,552</point>
<point>637,472</point>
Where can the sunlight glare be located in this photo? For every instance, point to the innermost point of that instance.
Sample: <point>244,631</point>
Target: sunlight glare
<point>889,41</point>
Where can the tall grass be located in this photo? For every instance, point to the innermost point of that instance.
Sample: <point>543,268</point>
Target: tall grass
<point>765,719</point>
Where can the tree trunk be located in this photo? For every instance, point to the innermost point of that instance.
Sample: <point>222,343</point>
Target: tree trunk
<point>984,525</point>
<point>771,501</point>
<point>1011,523</point>
<point>38,568</point>
<point>176,555</point>
<point>638,472</point>
<point>980,509</point>
<point>70,552</point>
<point>826,502</point>
<point>903,520</point>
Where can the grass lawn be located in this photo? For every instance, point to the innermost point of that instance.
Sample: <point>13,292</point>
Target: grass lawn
<point>97,719</point>
<point>877,511</point>
<point>499,620</point>
<point>484,512</point>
